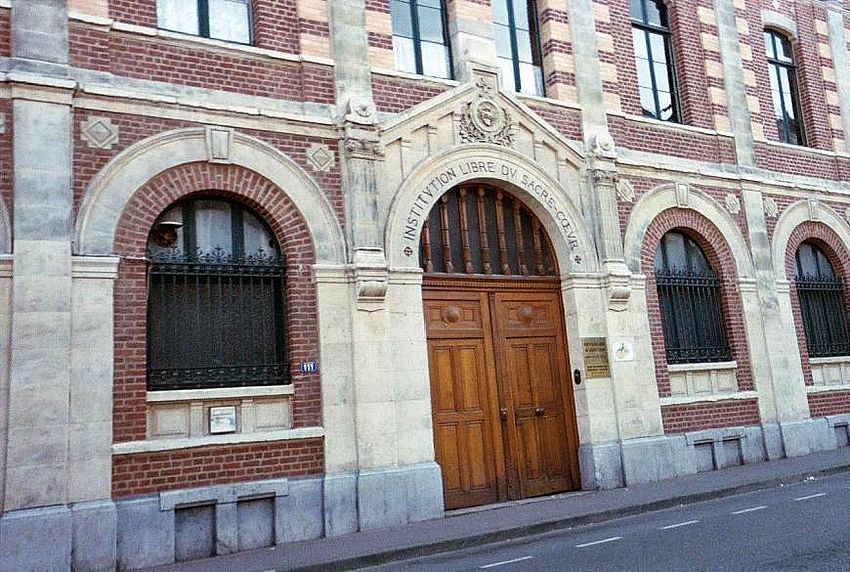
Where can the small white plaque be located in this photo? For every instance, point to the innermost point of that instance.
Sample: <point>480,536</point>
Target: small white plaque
<point>223,419</point>
<point>623,350</point>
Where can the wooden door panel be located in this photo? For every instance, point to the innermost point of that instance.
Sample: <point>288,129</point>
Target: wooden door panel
<point>535,369</point>
<point>462,398</point>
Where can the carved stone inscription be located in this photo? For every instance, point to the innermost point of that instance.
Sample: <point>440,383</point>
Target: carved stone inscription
<point>466,170</point>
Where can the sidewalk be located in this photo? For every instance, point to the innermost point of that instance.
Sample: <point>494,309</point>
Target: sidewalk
<point>462,529</point>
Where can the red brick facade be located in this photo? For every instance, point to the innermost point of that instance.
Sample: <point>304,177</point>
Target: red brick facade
<point>203,466</point>
<point>272,204</point>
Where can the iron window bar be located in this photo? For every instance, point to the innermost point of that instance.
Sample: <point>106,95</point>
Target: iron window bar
<point>203,320</point>
<point>824,315</point>
<point>692,318</point>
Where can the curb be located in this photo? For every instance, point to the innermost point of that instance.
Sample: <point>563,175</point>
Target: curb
<point>476,540</point>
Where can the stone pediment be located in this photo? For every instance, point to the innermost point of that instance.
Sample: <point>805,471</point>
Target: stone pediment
<point>474,113</point>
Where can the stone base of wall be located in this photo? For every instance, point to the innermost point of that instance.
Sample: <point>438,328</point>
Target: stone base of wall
<point>189,524</point>
<point>623,463</point>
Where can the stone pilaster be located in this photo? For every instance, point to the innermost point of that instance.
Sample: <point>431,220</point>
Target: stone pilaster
<point>470,37</point>
<point>841,58</point>
<point>739,111</point>
<point>773,347</point>
<point>350,45</point>
<point>588,78</point>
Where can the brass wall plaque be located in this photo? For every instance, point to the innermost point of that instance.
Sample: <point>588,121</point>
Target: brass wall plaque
<point>595,358</point>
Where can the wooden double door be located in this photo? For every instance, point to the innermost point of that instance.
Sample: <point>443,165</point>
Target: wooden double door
<point>503,414</point>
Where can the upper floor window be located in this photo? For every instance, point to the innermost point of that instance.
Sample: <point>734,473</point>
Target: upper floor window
<point>821,294</point>
<point>518,45</point>
<point>420,43</point>
<point>228,20</point>
<point>783,87</point>
<point>689,298</point>
<point>654,60</point>
<point>215,299</point>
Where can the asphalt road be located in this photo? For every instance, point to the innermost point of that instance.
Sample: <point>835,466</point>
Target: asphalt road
<point>799,527</point>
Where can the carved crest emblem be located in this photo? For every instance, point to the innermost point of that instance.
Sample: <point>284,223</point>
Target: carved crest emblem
<point>484,120</point>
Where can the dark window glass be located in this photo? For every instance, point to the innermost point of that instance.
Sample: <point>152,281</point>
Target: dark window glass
<point>420,43</point>
<point>228,20</point>
<point>518,45</point>
<point>821,294</point>
<point>654,60</point>
<point>689,298</point>
<point>783,87</point>
<point>215,299</point>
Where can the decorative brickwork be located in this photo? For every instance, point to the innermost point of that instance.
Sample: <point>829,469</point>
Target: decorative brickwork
<point>716,249</point>
<point>146,473</point>
<point>826,239</point>
<point>731,413</point>
<point>131,294</point>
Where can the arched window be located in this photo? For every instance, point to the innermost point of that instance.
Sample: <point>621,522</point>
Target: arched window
<point>654,60</point>
<point>215,299</point>
<point>783,86</point>
<point>821,295</point>
<point>420,43</point>
<point>479,230</point>
<point>518,45</point>
<point>689,294</point>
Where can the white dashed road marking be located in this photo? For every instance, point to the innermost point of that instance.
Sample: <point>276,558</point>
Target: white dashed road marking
<point>752,509</point>
<point>810,497</point>
<point>678,524</point>
<point>586,544</point>
<point>503,562</point>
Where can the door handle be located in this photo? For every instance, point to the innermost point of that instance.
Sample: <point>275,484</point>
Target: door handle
<point>503,414</point>
<point>538,411</point>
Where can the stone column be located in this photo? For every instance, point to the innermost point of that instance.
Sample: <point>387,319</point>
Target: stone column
<point>775,356</point>
<point>838,44</point>
<point>739,111</point>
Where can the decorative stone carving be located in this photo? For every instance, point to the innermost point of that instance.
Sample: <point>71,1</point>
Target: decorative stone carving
<point>733,204</point>
<point>625,191</point>
<point>682,195</point>
<point>771,209</point>
<point>483,120</point>
<point>98,132</point>
<point>619,289</point>
<point>363,148</point>
<point>361,110</point>
<point>219,143</point>
<point>320,157</point>
<point>603,145</point>
<point>605,177</point>
<point>814,210</point>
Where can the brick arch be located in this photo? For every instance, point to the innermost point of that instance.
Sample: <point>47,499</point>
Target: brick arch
<point>719,254</point>
<point>293,235</point>
<point>833,247</point>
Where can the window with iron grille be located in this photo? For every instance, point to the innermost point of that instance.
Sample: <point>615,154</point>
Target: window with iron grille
<point>689,298</point>
<point>783,87</point>
<point>228,20</point>
<point>654,60</point>
<point>420,42</point>
<point>518,45</point>
<point>821,294</point>
<point>216,287</point>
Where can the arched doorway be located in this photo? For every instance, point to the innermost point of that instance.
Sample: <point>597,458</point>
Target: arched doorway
<point>502,406</point>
